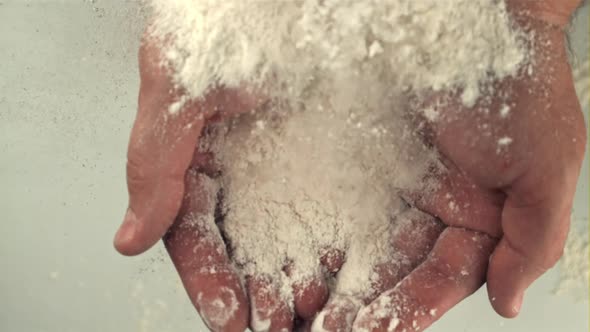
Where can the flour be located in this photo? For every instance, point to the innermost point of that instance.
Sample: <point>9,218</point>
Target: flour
<point>280,211</point>
<point>216,312</point>
<point>323,165</point>
<point>428,44</point>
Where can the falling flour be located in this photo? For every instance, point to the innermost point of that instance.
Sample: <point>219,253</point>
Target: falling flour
<point>322,166</point>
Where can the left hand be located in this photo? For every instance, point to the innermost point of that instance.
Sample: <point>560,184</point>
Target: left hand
<point>505,207</point>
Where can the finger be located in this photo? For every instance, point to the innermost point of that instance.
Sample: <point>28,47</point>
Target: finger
<point>268,312</point>
<point>340,310</point>
<point>198,253</point>
<point>338,314</point>
<point>535,230</point>
<point>536,215</point>
<point>309,296</point>
<point>412,239</point>
<point>163,138</point>
<point>160,150</point>
<point>454,270</point>
<point>332,260</point>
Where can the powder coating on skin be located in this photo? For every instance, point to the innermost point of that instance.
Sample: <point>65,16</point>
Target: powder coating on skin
<point>323,164</point>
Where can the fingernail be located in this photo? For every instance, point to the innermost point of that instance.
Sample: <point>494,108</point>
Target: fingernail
<point>127,230</point>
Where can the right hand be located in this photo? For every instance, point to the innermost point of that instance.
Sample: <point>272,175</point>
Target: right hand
<point>172,196</point>
<point>161,168</point>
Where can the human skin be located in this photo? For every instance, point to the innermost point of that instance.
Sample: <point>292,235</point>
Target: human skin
<point>166,177</point>
<point>515,199</point>
<point>518,199</point>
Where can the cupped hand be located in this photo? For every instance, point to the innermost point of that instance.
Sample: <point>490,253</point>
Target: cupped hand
<point>172,195</point>
<point>513,163</point>
<point>507,196</point>
<point>161,167</point>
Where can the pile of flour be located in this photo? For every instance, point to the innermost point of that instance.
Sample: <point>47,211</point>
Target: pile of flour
<point>323,165</point>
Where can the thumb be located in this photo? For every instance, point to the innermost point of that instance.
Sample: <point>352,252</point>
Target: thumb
<point>535,230</point>
<point>160,150</point>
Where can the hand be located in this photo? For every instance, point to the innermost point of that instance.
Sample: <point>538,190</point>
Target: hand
<point>507,195</point>
<point>173,196</point>
<point>161,151</point>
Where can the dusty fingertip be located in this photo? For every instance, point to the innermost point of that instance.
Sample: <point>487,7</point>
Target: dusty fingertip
<point>338,314</point>
<point>223,311</point>
<point>381,315</point>
<point>268,312</point>
<point>332,260</point>
<point>260,319</point>
<point>310,297</point>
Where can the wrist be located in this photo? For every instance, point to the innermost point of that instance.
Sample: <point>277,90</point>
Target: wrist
<point>554,12</point>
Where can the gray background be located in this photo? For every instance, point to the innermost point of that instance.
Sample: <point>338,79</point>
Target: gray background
<point>68,83</point>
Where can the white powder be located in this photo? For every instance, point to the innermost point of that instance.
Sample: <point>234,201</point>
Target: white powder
<point>504,111</point>
<point>503,141</point>
<point>322,166</point>
<point>393,324</point>
<point>427,45</point>
<point>216,312</point>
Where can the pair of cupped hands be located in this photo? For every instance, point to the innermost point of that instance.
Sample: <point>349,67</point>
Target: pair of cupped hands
<point>500,215</point>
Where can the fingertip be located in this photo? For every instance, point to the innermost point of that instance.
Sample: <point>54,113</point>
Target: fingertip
<point>225,313</point>
<point>217,294</point>
<point>268,311</point>
<point>125,238</point>
<point>338,314</point>
<point>310,297</point>
<point>507,307</point>
<point>380,315</point>
<point>505,300</point>
<point>332,260</point>
<point>508,276</point>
